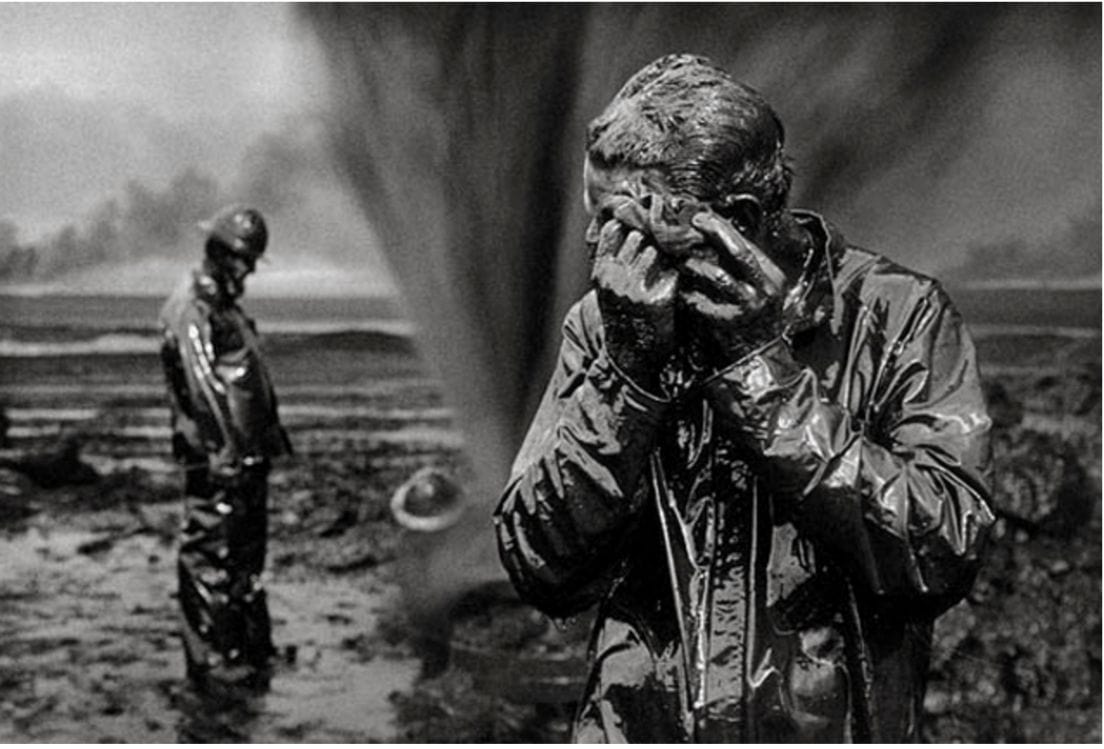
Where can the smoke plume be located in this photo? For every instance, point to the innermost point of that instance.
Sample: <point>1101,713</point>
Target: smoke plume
<point>141,222</point>
<point>284,173</point>
<point>922,131</point>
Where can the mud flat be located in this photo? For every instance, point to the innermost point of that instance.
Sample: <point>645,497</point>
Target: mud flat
<point>89,649</point>
<point>88,643</point>
<point>1019,659</point>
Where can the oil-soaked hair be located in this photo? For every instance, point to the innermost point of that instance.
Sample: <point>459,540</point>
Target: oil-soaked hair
<point>709,135</point>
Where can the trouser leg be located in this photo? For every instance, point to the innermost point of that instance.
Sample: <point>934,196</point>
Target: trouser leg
<point>248,545</point>
<point>222,552</point>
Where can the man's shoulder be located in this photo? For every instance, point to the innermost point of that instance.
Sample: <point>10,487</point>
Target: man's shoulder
<point>583,321</point>
<point>861,276</point>
<point>868,277</point>
<point>184,304</point>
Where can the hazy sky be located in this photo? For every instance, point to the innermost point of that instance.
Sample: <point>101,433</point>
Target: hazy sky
<point>118,123</point>
<point>93,96</point>
<point>191,62</point>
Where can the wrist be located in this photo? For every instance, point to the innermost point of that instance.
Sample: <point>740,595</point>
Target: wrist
<point>727,347</point>
<point>759,369</point>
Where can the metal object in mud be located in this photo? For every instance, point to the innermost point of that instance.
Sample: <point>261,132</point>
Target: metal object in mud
<point>428,502</point>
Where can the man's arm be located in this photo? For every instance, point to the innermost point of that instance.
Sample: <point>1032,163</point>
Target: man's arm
<point>249,396</point>
<point>187,437</point>
<point>572,499</point>
<point>903,499</point>
<point>226,380</point>
<point>197,351</point>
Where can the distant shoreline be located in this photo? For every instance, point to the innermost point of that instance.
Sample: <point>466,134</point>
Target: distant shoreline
<point>36,292</point>
<point>1033,284</point>
<point>98,324</point>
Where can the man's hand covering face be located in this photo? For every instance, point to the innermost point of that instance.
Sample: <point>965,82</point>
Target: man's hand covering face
<point>682,250</point>
<point>636,294</point>
<point>735,292</point>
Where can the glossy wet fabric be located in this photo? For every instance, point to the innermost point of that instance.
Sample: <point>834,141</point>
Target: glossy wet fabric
<point>222,554</point>
<point>768,545</point>
<point>225,431</point>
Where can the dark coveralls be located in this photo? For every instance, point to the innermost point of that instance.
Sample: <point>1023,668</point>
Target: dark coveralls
<point>768,550</point>
<point>225,431</point>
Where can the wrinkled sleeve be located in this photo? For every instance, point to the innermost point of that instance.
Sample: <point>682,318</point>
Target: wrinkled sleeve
<point>207,373</point>
<point>188,436</point>
<point>248,397</point>
<point>900,496</point>
<point>173,367</point>
<point>570,506</point>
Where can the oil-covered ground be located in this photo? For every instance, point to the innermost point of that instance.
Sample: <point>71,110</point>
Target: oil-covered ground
<point>1019,660</point>
<point>88,643</point>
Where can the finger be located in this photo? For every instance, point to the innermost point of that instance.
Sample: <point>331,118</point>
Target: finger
<point>697,302</point>
<point>616,268</point>
<point>701,306</point>
<point>665,285</point>
<point>724,236</point>
<point>593,231</point>
<point>630,248</point>
<point>711,279</point>
<point>610,238</point>
<point>652,267</point>
<point>655,211</point>
<point>733,246</point>
<point>646,262</point>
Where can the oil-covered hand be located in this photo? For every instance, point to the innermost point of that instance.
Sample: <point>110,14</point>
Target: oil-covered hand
<point>225,467</point>
<point>732,292</point>
<point>636,288</point>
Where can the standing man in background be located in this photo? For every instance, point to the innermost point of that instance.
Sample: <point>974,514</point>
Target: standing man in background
<point>225,431</point>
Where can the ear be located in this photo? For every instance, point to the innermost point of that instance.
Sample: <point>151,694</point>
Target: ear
<point>745,211</point>
<point>591,189</point>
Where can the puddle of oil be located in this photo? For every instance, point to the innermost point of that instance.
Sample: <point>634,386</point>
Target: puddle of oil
<point>89,652</point>
<point>330,694</point>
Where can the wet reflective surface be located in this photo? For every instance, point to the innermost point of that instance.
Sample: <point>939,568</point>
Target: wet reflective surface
<point>90,651</point>
<point>769,547</point>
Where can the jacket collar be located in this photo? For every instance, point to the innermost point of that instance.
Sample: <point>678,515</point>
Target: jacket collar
<point>809,304</point>
<point>209,289</point>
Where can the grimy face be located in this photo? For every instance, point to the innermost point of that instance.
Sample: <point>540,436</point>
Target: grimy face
<point>234,269</point>
<point>239,266</point>
<point>598,182</point>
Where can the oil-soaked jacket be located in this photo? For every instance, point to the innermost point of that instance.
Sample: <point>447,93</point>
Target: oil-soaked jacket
<point>769,549</point>
<point>223,405</point>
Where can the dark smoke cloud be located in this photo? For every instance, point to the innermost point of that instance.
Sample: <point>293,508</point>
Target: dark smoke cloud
<point>284,173</point>
<point>142,222</point>
<point>60,152</point>
<point>920,130</point>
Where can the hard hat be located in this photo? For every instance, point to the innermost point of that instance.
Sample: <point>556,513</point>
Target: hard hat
<point>241,229</point>
<point>428,501</point>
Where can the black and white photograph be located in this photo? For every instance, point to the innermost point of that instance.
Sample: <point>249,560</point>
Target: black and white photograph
<point>550,373</point>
